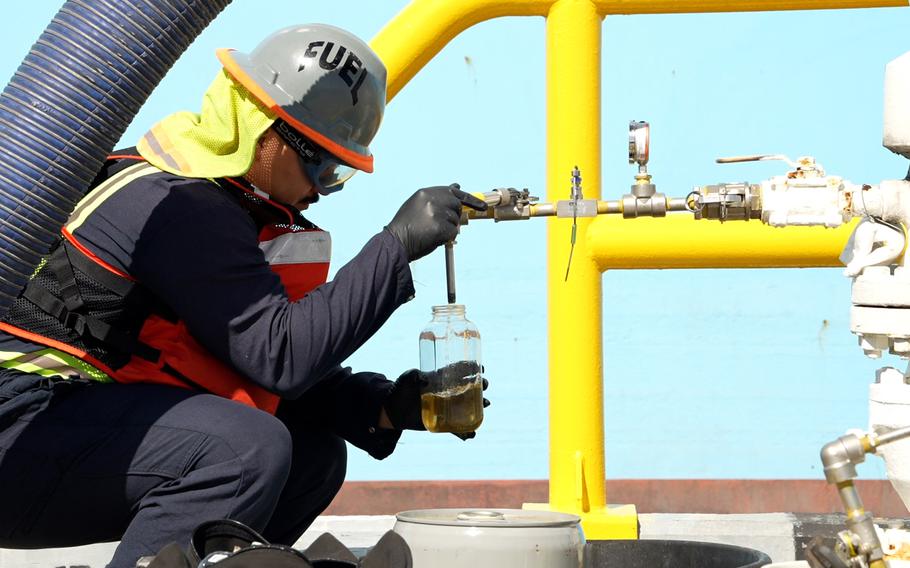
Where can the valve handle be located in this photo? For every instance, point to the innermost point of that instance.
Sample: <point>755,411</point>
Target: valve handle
<point>757,158</point>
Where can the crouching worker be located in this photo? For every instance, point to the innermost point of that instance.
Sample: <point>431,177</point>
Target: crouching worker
<point>176,358</point>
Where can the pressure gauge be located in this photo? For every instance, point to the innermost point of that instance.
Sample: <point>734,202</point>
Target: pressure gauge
<point>639,142</point>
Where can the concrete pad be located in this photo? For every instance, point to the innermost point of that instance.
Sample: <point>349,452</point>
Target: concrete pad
<point>91,556</point>
<point>771,533</point>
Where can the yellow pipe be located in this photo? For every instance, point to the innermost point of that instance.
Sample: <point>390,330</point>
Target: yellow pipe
<point>420,31</point>
<point>417,34</point>
<point>697,6</point>
<point>424,27</point>
<point>678,241</point>
<point>575,354</point>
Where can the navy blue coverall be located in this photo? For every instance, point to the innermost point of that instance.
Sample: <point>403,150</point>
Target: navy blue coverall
<point>84,462</point>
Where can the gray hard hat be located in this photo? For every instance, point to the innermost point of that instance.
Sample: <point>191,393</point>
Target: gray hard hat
<point>323,81</point>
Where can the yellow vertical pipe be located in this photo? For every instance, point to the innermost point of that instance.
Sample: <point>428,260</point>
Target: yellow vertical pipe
<point>577,471</point>
<point>575,338</point>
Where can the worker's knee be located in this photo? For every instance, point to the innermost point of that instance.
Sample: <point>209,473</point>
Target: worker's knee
<point>269,448</point>
<point>255,445</point>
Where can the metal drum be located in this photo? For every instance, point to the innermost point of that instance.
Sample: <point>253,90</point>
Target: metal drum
<point>492,538</point>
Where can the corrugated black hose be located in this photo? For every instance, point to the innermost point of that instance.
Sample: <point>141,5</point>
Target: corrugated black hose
<point>66,106</point>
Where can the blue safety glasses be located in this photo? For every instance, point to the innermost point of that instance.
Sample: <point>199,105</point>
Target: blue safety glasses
<point>327,172</point>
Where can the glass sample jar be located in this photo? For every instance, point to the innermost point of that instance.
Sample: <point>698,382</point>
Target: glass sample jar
<point>452,401</point>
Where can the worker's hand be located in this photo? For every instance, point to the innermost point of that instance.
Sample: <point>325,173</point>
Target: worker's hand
<point>430,218</point>
<point>402,404</point>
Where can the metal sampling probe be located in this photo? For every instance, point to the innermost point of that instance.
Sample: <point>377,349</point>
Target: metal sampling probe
<point>450,270</point>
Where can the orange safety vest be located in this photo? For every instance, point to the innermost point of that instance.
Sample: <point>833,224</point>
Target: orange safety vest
<point>164,351</point>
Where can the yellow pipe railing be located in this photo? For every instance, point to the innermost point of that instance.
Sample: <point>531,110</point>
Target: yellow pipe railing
<point>627,7</point>
<point>417,34</point>
<point>575,400</point>
<point>679,241</point>
<point>420,31</point>
<point>424,27</point>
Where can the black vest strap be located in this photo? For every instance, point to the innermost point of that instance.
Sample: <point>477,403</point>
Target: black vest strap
<point>88,326</point>
<point>68,307</point>
<point>63,269</point>
<point>113,282</point>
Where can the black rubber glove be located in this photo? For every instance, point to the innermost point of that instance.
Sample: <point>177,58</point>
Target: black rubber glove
<point>430,218</point>
<point>402,404</point>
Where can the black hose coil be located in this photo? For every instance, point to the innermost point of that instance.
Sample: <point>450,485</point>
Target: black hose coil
<point>66,106</point>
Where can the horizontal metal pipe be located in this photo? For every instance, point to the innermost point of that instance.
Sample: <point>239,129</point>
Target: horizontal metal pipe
<point>677,204</point>
<point>892,436</point>
<point>609,207</point>
<point>543,210</point>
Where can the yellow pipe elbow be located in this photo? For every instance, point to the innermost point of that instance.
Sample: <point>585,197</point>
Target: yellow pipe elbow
<point>424,27</point>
